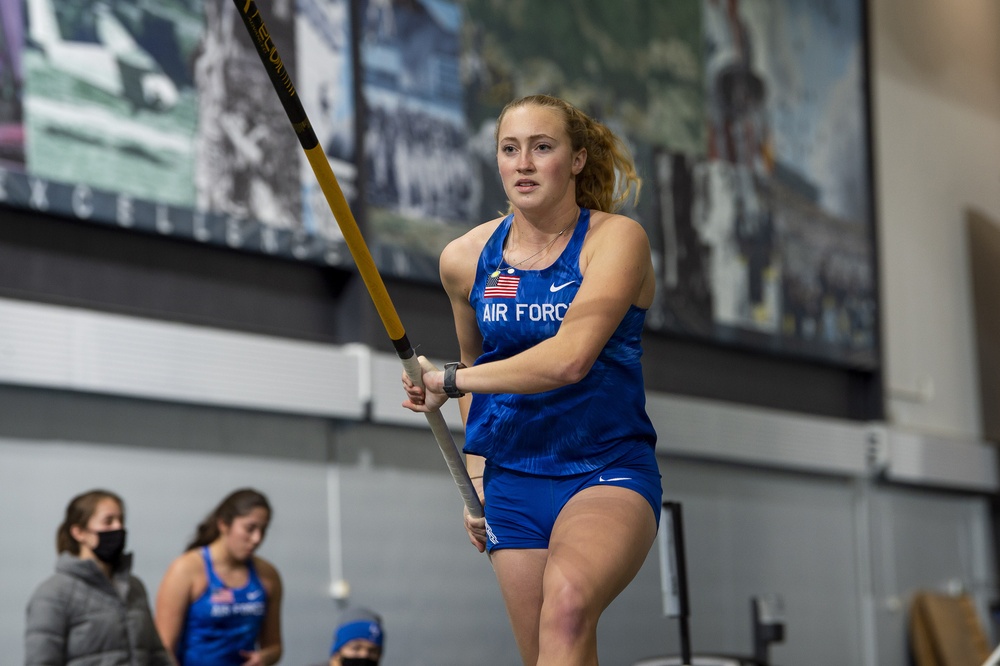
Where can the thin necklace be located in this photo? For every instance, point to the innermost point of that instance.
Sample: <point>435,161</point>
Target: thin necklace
<point>511,267</point>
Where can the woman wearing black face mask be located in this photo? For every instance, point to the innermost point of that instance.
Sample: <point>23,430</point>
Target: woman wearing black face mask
<point>92,610</point>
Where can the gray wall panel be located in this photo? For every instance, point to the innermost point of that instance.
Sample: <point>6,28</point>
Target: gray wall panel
<point>755,532</point>
<point>927,541</point>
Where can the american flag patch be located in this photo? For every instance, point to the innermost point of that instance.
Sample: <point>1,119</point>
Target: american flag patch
<point>501,286</point>
<point>222,595</point>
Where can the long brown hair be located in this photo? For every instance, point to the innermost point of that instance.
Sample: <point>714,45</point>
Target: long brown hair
<point>237,503</point>
<point>79,511</point>
<point>609,178</point>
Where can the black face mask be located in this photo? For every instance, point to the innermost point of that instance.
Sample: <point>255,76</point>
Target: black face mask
<point>358,661</point>
<point>110,546</point>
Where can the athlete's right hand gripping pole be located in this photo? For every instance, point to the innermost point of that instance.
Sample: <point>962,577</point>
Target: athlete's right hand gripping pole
<point>282,83</point>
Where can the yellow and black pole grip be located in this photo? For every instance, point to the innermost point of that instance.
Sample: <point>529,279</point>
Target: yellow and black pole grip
<point>282,82</point>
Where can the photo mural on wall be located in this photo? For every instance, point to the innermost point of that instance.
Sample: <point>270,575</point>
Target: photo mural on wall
<point>771,223</point>
<point>748,120</point>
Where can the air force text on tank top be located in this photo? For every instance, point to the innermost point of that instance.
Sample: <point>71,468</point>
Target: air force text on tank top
<point>223,621</point>
<point>572,429</point>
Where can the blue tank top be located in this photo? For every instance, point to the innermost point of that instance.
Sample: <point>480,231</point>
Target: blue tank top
<point>572,429</point>
<point>223,621</point>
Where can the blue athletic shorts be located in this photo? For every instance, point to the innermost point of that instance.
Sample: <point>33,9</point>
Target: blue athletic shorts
<point>522,508</point>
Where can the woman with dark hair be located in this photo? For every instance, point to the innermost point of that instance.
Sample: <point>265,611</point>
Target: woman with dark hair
<point>76,616</point>
<point>218,603</point>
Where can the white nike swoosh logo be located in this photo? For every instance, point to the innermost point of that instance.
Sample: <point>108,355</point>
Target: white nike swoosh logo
<point>252,596</point>
<point>553,288</point>
<point>617,478</point>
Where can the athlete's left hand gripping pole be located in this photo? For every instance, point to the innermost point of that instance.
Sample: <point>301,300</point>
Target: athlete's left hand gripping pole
<point>282,82</point>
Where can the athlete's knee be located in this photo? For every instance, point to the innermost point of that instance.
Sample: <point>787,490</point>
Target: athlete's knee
<point>568,613</point>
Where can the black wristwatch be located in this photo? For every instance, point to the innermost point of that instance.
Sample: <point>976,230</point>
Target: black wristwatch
<point>450,389</point>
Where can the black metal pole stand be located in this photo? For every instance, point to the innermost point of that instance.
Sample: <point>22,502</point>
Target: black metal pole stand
<point>678,578</point>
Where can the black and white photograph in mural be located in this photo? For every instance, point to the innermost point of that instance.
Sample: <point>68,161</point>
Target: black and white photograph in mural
<point>11,84</point>
<point>415,153</point>
<point>246,158</point>
<point>772,220</point>
<point>108,101</point>
<point>326,89</point>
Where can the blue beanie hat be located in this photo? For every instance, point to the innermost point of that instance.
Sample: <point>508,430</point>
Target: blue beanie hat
<point>356,623</point>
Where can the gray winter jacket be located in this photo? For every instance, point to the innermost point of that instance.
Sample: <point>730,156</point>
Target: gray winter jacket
<point>80,617</point>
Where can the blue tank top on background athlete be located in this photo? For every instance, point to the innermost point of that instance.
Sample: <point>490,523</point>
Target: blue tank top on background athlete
<point>223,621</point>
<point>571,429</point>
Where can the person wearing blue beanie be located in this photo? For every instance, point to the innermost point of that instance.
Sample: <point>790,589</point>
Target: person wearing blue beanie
<point>358,639</point>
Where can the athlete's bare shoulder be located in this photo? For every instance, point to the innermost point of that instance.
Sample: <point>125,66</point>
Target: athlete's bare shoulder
<point>265,569</point>
<point>187,569</point>
<point>190,561</point>
<point>460,256</point>
<point>615,232</point>
<point>619,246</point>
<point>614,223</point>
<point>472,240</point>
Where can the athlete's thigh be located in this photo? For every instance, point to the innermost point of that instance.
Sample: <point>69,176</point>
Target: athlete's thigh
<point>519,573</point>
<point>599,542</point>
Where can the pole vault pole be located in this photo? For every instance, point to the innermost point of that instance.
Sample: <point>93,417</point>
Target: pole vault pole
<point>282,82</point>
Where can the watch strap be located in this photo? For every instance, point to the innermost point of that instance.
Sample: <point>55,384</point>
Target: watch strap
<point>450,388</point>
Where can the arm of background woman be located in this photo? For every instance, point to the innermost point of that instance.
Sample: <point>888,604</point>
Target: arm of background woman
<point>270,633</point>
<point>618,273</point>
<point>46,628</point>
<point>148,636</point>
<point>172,601</point>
